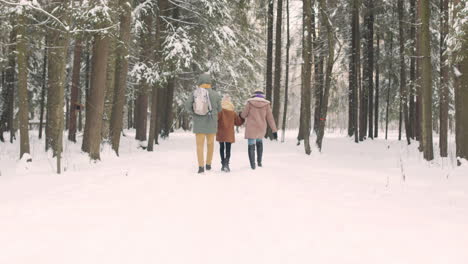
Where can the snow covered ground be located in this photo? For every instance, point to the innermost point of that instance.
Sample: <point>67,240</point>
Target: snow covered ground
<point>349,204</point>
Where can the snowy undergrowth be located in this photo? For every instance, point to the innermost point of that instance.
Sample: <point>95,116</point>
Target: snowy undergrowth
<point>376,202</point>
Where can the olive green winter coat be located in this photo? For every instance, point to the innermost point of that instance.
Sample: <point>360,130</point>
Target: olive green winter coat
<point>207,124</point>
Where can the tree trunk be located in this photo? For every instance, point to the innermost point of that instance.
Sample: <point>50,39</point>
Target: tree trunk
<point>169,115</point>
<point>377,87</point>
<point>88,66</point>
<point>92,133</point>
<point>286,81</point>
<point>121,72</point>
<point>444,80</point>
<point>412,88</point>
<point>43,89</point>
<point>269,70</point>
<point>23,102</point>
<point>109,94</point>
<point>75,86</point>
<point>367,76</point>
<point>7,117</point>
<point>390,70</point>
<point>461,91</point>
<point>426,80</point>
<point>142,99</point>
<point>307,56</point>
<point>325,21</point>
<point>318,70</point>
<point>418,78</point>
<point>403,89</point>
<point>56,82</point>
<point>369,64</point>
<point>278,49</point>
<point>354,70</point>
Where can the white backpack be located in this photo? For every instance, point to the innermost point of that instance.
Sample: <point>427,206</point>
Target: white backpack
<point>201,101</point>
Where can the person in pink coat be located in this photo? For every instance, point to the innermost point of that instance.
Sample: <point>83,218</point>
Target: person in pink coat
<point>257,114</point>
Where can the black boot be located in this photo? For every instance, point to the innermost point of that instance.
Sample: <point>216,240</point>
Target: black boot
<point>226,165</point>
<point>208,167</point>
<point>223,164</point>
<point>259,153</point>
<point>201,170</point>
<point>252,156</point>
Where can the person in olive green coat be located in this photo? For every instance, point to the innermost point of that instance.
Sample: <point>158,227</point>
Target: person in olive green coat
<point>205,126</point>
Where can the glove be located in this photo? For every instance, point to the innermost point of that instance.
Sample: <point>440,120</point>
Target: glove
<point>275,136</point>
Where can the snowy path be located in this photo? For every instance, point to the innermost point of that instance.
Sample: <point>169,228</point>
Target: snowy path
<point>347,205</point>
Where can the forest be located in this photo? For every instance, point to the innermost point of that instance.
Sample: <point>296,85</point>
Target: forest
<point>365,159</point>
<point>94,69</point>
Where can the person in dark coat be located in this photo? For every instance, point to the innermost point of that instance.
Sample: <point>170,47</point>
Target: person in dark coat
<point>227,119</point>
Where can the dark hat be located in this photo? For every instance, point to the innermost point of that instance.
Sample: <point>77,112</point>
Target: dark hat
<point>259,92</point>
<point>204,78</point>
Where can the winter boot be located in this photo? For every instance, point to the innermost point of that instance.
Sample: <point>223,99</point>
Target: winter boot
<point>201,170</point>
<point>259,153</point>
<point>226,165</point>
<point>223,164</point>
<point>252,156</point>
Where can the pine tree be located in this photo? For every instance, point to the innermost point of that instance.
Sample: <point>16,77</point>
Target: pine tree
<point>426,81</point>
<point>121,72</point>
<point>278,49</point>
<point>307,51</point>
<point>23,102</point>
<point>444,80</point>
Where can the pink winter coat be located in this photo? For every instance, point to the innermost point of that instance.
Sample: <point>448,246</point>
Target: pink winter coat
<point>257,113</point>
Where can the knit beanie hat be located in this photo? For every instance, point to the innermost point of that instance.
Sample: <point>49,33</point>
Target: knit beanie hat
<point>204,78</point>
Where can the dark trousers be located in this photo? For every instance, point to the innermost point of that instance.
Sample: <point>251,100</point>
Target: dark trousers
<point>225,150</point>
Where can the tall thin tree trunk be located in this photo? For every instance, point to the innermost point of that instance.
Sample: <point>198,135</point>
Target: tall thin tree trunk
<point>412,88</point>
<point>10,82</point>
<point>355,38</point>
<point>169,113</point>
<point>307,56</point>
<point>461,89</point>
<point>142,99</point>
<point>403,89</point>
<point>318,69</point>
<point>286,81</point>
<point>444,80</point>
<point>325,21</point>
<point>269,70</point>
<point>369,65</point>
<point>426,76</point>
<point>278,49</point>
<point>390,70</point>
<point>43,90</point>
<point>121,72</point>
<point>75,86</point>
<point>418,78</point>
<point>377,87</point>
<point>162,9</point>
<point>23,102</point>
